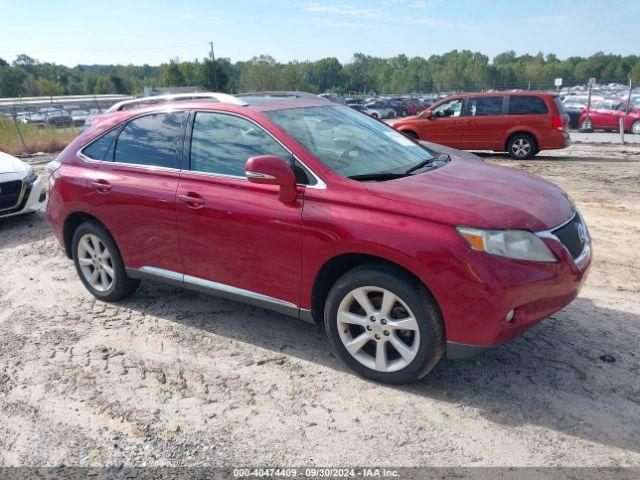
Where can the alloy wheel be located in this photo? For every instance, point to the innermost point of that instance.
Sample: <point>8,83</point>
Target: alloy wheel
<point>378,329</point>
<point>95,262</point>
<point>521,147</point>
<point>635,127</point>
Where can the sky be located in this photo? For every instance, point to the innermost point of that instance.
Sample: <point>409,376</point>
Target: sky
<point>72,32</point>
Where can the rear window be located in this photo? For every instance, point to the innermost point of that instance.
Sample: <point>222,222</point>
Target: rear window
<point>150,140</point>
<point>560,106</point>
<point>527,105</point>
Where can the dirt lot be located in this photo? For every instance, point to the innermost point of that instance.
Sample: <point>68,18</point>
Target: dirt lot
<point>171,377</point>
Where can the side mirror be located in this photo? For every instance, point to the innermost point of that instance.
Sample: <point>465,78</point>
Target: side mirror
<point>272,170</point>
<point>426,115</point>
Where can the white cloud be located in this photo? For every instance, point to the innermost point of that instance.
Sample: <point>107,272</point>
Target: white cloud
<point>344,9</point>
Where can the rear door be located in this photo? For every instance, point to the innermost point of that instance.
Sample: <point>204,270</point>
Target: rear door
<point>484,123</point>
<point>134,190</point>
<point>236,236</point>
<point>445,124</point>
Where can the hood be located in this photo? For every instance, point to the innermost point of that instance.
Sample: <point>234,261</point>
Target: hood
<point>9,164</point>
<point>478,194</point>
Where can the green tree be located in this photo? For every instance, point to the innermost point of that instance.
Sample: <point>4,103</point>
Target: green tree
<point>12,82</point>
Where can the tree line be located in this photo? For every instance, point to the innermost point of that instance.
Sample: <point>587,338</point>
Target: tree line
<point>453,71</point>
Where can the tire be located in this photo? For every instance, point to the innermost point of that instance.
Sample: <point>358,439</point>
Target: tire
<point>635,127</point>
<point>392,115</point>
<point>404,113</point>
<point>106,260</point>
<point>586,124</point>
<point>522,146</point>
<point>375,355</point>
<point>374,115</point>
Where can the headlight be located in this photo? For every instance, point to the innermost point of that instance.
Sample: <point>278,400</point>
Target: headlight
<point>517,244</point>
<point>31,177</point>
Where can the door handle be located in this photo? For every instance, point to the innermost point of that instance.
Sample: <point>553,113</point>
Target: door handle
<point>192,200</point>
<point>102,186</point>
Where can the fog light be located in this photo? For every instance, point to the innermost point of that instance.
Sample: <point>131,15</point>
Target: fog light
<point>510,318</point>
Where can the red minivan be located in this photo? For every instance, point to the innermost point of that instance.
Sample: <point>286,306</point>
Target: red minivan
<point>520,123</point>
<point>292,203</point>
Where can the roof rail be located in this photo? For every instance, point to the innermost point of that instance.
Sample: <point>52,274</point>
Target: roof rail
<point>176,97</point>
<point>284,94</point>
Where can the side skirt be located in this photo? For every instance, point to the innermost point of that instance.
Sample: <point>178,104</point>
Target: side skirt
<point>219,290</point>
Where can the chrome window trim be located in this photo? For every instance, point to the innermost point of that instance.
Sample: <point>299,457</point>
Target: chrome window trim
<point>320,184</point>
<point>550,235</point>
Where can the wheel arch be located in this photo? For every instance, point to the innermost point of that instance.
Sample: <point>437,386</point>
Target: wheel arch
<point>71,224</point>
<point>338,265</point>
<point>409,132</point>
<point>520,131</point>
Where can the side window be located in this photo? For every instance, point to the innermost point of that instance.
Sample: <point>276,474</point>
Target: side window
<point>483,106</point>
<point>223,143</point>
<point>526,105</point>
<point>97,150</point>
<point>150,140</point>
<point>452,108</point>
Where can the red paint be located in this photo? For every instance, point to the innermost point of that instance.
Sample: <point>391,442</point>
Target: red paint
<point>606,119</point>
<point>239,233</point>
<point>489,132</point>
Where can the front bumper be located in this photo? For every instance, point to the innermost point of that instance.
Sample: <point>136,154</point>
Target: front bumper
<point>33,200</point>
<point>494,286</point>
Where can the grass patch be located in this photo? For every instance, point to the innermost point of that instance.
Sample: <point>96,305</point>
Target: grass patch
<point>38,139</point>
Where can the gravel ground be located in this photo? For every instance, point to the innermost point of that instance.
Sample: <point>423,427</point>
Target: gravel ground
<point>172,377</point>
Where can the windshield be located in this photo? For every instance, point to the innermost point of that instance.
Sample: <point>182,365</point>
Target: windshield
<point>349,142</point>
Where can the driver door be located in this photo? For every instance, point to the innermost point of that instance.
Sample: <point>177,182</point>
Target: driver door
<point>445,124</point>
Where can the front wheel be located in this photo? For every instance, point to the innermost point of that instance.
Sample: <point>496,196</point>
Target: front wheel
<point>635,127</point>
<point>586,124</point>
<point>384,325</point>
<point>99,264</point>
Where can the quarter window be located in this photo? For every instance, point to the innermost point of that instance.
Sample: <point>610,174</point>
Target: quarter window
<point>97,150</point>
<point>526,105</point>
<point>150,140</point>
<point>483,106</point>
<point>222,144</point>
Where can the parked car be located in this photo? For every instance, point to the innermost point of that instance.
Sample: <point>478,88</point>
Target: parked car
<point>520,123</point>
<point>574,110</point>
<point>57,117</point>
<point>605,115</point>
<point>80,117</point>
<point>31,118</point>
<point>379,110</point>
<point>21,189</point>
<point>316,211</point>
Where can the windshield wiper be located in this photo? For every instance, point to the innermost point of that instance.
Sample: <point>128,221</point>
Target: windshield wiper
<point>377,176</point>
<point>426,163</point>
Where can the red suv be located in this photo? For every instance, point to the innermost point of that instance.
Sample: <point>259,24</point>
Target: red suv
<point>319,212</point>
<point>520,123</point>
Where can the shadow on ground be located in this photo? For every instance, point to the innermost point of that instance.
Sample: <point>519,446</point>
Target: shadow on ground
<point>552,376</point>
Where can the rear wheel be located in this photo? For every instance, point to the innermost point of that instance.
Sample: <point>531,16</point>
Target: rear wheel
<point>586,124</point>
<point>522,146</point>
<point>99,264</point>
<point>374,115</point>
<point>635,127</point>
<point>384,325</point>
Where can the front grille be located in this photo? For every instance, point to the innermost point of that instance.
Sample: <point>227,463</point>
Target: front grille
<point>573,236</point>
<point>9,194</point>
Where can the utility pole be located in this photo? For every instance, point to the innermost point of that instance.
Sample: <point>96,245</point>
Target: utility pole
<point>213,60</point>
